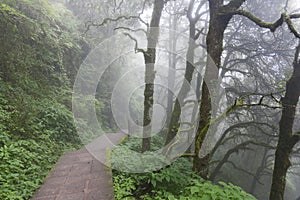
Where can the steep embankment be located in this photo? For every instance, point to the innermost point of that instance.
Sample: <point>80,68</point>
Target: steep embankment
<point>40,50</point>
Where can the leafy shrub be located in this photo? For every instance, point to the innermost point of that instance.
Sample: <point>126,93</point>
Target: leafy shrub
<point>127,160</point>
<point>207,191</point>
<point>174,182</point>
<point>26,158</point>
<point>132,186</point>
<point>57,122</point>
<point>24,165</point>
<point>124,186</point>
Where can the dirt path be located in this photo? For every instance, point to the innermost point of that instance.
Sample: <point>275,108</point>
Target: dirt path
<point>79,175</point>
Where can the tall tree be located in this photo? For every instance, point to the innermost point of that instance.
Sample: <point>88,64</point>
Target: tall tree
<point>220,15</point>
<point>287,140</point>
<point>149,56</point>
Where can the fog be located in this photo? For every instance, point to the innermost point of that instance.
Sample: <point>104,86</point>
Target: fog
<point>255,65</point>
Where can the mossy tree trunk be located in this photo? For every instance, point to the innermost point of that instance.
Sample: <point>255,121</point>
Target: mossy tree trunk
<point>220,15</point>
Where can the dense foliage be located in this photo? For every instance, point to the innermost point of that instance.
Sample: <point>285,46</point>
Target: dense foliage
<point>176,181</point>
<point>38,55</point>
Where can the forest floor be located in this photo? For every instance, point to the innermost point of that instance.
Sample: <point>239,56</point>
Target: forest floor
<point>79,175</point>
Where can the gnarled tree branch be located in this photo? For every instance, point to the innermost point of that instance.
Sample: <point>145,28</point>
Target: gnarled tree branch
<point>284,18</point>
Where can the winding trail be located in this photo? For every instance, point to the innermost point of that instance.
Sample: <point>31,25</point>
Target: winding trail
<point>80,175</point>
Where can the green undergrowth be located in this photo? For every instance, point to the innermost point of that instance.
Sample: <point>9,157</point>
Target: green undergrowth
<point>31,142</point>
<point>175,181</point>
<point>39,52</point>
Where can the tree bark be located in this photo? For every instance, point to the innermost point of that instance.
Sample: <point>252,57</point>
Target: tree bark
<point>220,15</point>
<point>287,139</point>
<point>214,42</point>
<point>149,56</point>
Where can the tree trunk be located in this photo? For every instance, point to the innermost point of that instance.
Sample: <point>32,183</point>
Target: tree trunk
<point>214,42</point>
<point>286,140</point>
<point>220,15</point>
<point>200,165</point>
<point>175,123</point>
<point>282,163</point>
<point>172,66</point>
<point>188,75</point>
<point>149,56</point>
